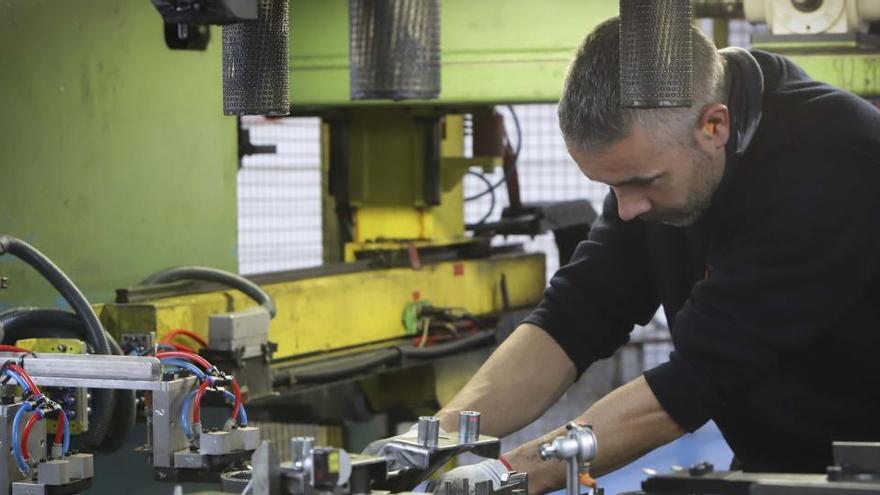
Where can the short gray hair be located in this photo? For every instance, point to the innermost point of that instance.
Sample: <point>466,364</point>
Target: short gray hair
<point>590,115</point>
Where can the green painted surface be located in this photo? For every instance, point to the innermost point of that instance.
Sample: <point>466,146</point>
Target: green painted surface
<point>115,157</point>
<point>856,72</point>
<point>511,51</point>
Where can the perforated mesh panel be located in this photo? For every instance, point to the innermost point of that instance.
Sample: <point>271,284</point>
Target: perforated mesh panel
<point>255,63</point>
<point>394,49</point>
<point>546,173</point>
<point>656,53</point>
<point>279,197</point>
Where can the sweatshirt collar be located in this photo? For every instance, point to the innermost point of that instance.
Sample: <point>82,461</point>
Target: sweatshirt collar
<point>745,98</point>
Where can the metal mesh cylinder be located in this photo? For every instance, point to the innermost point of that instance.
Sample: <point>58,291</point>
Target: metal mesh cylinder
<point>394,49</point>
<point>656,58</point>
<point>255,63</point>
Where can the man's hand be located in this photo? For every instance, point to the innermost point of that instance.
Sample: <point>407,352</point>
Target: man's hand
<point>507,397</point>
<point>489,470</point>
<point>628,423</point>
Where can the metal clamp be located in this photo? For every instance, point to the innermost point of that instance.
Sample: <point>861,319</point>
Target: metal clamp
<point>578,447</point>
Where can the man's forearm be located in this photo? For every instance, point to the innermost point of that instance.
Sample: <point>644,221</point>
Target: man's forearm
<point>519,381</point>
<point>628,423</point>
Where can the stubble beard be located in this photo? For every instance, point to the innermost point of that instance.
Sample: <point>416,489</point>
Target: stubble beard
<point>707,176</point>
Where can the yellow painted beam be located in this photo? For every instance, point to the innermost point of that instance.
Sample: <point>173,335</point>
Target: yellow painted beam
<point>344,310</point>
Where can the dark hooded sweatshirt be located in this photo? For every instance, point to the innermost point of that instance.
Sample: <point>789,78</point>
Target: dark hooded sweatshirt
<point>772,296</point>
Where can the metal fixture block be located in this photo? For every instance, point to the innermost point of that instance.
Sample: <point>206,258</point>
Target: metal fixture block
<point>81,466</point>
<point>249,437</point>
<point>55,472</point>
<point>215,443</point>
<point>231,331</point>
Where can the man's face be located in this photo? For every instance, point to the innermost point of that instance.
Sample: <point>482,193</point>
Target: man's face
<point>653,179</point>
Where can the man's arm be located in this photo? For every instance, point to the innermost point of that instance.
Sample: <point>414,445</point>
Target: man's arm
<point>520,380</point>
<point>628,423</point>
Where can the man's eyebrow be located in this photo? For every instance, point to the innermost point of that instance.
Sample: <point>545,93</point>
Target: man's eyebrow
<point>643,180</point>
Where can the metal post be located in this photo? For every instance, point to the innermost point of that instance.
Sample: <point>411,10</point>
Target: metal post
<point>89,370</point>
<point>572,483</point>
<point>429,431</point>
<point>300,450</point>
<point>468,426</point>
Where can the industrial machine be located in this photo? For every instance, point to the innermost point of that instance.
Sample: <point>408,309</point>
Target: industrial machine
<point>404,462</point>
<point>423,293</point>
<point>411,298</point>
<point>173,382</point>
<point>856,469</point>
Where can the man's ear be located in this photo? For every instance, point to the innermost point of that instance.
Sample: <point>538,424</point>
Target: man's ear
<point>713,127</point>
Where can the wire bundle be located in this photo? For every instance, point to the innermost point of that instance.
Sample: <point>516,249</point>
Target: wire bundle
<point>439,324</point>
<point>41,406</point>
<point>180,332</point>
<point>490,187</point>
<point>209,379</point>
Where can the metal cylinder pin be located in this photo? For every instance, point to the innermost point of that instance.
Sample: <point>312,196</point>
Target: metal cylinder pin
<point>300,449</point>
<point>468,426</point>
<point>429,431</point>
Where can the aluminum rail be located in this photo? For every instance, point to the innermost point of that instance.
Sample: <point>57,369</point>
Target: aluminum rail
<point>89,370</point>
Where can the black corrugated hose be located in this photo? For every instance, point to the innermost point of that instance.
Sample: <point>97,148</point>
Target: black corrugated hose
<point>104,399</point>
<point>215,275</point>
<point>344,368</point>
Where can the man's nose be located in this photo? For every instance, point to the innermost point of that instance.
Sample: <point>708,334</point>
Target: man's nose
<point>631,206</point>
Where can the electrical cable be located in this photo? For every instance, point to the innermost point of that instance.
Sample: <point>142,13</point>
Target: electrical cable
<point>492,187</point>
<point>516,124</point>
<point>184,415</point>
<point>19,380</point>
<point>23,376</point>
<point>110,408</point>
<point>446,348</point>
<point>242,414</point>
<point>222,277</point>
<point>12,348</point>
<point>179,363</point>
<point>181,347</point>
<point>65,438</point>
<point>16,444</point>
<point>23,323</point>
<point>186,333</point>
<point>184,360</point>
<point>236,392</point>
<point>186,407</point>
<point>124,415</point>
<point>62,430</point>
<point>492,204</point>
<point>75,298</point>
<point>36,416</point>
<point>197,402</point>
<point>62,284</point>
<point>337,371</point>
<point>189,356</point>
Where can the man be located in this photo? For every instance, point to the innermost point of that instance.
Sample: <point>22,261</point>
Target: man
<point>753,218</point>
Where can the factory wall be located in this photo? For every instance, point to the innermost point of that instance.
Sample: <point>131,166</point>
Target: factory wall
<point>115,157</point>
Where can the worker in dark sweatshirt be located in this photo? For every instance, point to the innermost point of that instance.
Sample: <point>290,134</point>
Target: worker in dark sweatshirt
<point>753,219</point>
